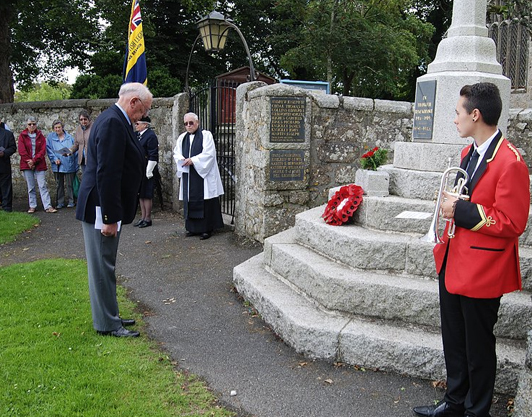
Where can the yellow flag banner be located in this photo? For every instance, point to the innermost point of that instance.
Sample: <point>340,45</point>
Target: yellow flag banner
<point>135,63</point>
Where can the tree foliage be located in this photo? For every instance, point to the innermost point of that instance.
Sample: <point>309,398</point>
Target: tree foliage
<point>44,92</point>
<point>371,48</point>
<point>43,38</point>
<point>363,47</point>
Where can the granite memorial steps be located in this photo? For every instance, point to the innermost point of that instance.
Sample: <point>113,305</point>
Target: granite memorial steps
<point>413,184</point>
<point>387,345</point>
<point>380,213</point>
<point>374,294</point>
<point>362,248</point>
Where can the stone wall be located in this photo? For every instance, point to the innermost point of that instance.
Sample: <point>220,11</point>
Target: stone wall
<point>338,130</point>
<point>164,114</point>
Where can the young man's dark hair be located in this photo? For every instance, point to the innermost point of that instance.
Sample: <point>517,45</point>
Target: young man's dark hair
<point>486,98</point>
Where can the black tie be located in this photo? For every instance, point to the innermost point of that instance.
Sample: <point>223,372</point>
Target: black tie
<point>472,165</point>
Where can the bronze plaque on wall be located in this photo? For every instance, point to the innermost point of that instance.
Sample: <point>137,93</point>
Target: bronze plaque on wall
<point>424,111</point>
<point>287,123</point>
<point>287,165</point>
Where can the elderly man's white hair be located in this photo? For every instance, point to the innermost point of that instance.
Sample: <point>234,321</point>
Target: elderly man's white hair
<point>135,89</point>
<point>193,115</point>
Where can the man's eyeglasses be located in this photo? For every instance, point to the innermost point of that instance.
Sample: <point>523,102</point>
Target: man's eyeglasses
<point>146,111</point>
<point>32,124</point>
<point>189,123</point>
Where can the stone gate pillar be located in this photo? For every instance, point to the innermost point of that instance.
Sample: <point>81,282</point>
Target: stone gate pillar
<point>272,150</point>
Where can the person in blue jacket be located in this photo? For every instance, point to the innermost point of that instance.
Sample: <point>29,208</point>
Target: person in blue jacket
<point>64,163</point>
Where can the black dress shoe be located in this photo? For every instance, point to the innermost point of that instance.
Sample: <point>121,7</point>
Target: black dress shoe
<point>442,409</point>
<point>137,224</point>
<point>205,236</point>
<point>145,223</point>
<point>121,332</point>
<point>128,322</point>
<point>189,234</point>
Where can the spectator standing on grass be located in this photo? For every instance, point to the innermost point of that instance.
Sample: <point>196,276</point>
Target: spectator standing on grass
<point>32,150</point>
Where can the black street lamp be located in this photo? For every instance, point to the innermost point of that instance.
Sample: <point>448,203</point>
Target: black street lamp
<point>213,32</point>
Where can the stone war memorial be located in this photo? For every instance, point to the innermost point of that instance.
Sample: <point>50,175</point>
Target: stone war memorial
<point>366,293</point>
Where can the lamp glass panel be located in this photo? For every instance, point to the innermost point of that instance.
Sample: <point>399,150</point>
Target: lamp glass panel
<point>205,36</point>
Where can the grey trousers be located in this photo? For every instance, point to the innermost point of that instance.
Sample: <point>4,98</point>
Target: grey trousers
<point>101,260</point>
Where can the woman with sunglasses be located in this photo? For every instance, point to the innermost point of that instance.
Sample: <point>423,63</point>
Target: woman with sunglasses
<point>32,150</point>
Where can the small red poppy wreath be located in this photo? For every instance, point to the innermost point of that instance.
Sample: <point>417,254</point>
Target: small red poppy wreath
<point>343,205</point>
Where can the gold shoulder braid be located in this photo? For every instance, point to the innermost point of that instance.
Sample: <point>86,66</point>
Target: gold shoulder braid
<point>514,151</point>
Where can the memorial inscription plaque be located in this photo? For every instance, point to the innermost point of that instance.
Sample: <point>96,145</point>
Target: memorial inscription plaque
<point>287,165</point>
<point>287,119</point>
<point>424,111</point>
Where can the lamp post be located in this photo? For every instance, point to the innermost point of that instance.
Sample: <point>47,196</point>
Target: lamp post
<point>213,32</point>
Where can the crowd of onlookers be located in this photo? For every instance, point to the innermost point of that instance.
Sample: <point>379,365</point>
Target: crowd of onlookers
<point>65,152</point>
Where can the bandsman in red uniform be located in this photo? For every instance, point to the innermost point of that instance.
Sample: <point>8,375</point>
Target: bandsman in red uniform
<point>481,263</point>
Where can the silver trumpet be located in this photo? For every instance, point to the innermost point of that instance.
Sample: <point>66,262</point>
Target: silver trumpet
<point>459,191</point>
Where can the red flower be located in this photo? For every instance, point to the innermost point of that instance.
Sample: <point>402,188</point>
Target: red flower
<point>343,205</point>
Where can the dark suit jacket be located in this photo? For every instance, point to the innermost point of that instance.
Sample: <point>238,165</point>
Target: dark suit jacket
<point>7,141</point>
<point>115,167</point>
<point>483,257</point>
<point>150,145</point>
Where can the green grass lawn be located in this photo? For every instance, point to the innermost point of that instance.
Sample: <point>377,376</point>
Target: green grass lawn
<point>13,224</point>
<point>52,362</point>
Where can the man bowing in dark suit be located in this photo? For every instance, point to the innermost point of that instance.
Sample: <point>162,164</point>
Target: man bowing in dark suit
<point>481,262</point>
<point>108,198</point>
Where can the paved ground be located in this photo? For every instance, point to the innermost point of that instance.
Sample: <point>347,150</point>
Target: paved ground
<point>185,292</point>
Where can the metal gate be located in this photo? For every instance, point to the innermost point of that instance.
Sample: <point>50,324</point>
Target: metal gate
<point>215,104</point>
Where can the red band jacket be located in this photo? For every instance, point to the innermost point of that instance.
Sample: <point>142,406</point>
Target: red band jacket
<point>483,257</point>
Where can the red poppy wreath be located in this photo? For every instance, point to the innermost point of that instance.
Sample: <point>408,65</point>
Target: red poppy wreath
<point>343,204</point>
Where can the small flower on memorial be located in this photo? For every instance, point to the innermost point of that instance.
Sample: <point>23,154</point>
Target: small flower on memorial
<point>343,205</point>
<point>373,159</point>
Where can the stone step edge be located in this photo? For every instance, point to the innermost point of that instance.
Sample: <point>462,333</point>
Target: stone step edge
<point>311,231</point>
<point>332,284</point>
<point>315,333</point>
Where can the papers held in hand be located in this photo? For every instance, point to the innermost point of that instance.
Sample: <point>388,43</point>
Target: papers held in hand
<point>181,167</point>
<point>64,152</point>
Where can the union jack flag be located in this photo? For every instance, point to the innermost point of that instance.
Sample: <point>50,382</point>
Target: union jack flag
<point>135,60</point>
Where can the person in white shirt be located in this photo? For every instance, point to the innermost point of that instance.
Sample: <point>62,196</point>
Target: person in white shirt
<point>200,182</point>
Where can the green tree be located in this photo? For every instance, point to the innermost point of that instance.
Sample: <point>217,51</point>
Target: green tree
<point>44,92</point>
<point>169,32</point>
<point>364,47</point>
<point>43,37</point>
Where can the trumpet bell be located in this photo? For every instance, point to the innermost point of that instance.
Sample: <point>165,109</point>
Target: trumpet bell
<point>432,237</point>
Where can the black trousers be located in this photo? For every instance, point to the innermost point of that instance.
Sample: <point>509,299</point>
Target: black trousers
<point>6,191</point>
<point>469,349</point>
